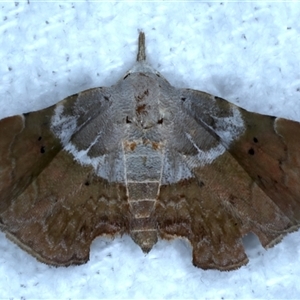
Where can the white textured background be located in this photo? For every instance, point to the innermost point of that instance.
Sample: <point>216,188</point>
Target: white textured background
<point>248,53</point>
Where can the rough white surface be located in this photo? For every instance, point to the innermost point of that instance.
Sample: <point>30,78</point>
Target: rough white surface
<point>248,53</point>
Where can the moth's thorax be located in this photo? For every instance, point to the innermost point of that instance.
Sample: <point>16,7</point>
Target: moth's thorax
<point>146,98</point>
<point>143,160</point>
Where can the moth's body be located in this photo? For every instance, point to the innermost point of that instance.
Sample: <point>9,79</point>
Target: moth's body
<point>150,160</point>
<point>143,147</point>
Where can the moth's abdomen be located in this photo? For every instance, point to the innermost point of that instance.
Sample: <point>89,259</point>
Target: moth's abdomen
<point>143,169</point>
<point>143,223</point>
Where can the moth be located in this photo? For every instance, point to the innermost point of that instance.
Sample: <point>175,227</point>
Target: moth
<point>150,160</point>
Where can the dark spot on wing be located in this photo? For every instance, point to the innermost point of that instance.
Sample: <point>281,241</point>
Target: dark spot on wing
<point>183,99</point>
<point>160,121</point>
<point>128,120</point>
<point>43,149</point>
<point>201,183</point>
<point>106,98</point>
<point>251,151</point>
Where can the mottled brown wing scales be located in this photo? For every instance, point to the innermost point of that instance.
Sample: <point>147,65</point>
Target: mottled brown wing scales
<point>269,152</point>
<point>216,242</point>
<point>58,215</point>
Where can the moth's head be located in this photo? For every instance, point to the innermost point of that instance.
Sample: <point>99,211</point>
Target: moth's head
<point>142,67</point>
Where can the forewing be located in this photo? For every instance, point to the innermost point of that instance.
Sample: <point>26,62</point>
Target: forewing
<point>51,205</point>
<point>231,192</point>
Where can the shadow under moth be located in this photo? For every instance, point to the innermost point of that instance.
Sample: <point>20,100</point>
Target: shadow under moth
<point>150,160</point>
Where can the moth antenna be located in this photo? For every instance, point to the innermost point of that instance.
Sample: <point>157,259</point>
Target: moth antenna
<point>141,56</point>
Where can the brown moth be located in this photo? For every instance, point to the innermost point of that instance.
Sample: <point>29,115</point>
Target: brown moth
<point>150,160</point>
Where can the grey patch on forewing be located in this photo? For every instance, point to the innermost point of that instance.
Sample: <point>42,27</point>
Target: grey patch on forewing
<point>62,126</point>
<point>178,166</point>
<point>175,168</point>
<point>229,128</point>
<point>225,120</point>
<point>109,166</point>
<point>204,157</point>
